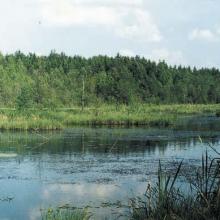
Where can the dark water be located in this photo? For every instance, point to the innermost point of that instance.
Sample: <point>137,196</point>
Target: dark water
<point>93,166</point>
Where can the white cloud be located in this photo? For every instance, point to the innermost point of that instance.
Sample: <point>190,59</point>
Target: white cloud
<point>64,13</point>
<point>127,52</point>
<point>35,213</point>
<point>78,191</point>
<point>91,27</point>
<point>142,27</point>
<point>122,3</point>
<point>171,57</point>
<point>17,22</point>
<point>127,19</point>
<point>218,31</point>
<point>204,34</point>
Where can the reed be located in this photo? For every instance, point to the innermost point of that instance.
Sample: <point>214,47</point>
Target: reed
<point>166,200</point>
<point>134,115</point>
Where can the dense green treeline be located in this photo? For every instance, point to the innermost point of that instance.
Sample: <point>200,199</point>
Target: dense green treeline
<point>58,80</point>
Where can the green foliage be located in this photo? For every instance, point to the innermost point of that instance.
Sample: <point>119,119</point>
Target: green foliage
<point>65,214</point>
<point>25,98</point>
<point>58,80</point>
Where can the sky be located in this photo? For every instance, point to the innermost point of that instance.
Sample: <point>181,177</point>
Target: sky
<point>181,32</point>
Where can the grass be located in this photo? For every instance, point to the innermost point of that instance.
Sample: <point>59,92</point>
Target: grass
<point>135,115</point>
<point>65,214</point>
<point>167,201</point>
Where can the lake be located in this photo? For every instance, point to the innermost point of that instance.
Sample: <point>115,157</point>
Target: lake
<point>95,167</point>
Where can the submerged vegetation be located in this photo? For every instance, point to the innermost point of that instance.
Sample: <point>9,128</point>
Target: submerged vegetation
<point>134,115</point>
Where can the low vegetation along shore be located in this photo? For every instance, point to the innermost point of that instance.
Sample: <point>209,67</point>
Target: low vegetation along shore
<point>114,115</point>
<point>197,199</point>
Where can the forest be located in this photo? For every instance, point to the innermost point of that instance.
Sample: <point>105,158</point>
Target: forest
<point>58,80</point>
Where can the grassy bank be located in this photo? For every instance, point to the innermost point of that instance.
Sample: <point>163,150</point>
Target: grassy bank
<point>150,115</point>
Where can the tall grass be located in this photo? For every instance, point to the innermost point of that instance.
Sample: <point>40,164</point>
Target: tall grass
<point>138,114</point>
<point>166,200</point>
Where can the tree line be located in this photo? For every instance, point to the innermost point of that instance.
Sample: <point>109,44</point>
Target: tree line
<point>58,80</point>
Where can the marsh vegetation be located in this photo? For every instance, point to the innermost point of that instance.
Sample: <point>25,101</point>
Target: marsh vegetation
<point>122,115</point>
<point>197,199</point>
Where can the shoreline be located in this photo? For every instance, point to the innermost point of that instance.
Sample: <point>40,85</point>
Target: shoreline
<point>106,115</point>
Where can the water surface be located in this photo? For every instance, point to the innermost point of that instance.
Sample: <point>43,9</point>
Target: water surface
<point>99,167</point>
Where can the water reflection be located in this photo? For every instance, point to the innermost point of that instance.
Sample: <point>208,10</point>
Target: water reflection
<point>92,166</point>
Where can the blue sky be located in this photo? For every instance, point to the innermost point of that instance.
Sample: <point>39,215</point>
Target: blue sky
<point>183,32</point>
